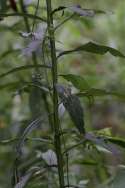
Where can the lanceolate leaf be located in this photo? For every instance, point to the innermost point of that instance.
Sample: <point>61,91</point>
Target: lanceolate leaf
<point>73,106</point>
<point>85,162</point>
<point>22,15</point>
<point>75,110</point>
<point>94,48</point>
<point>21,68</point>
<point>8,141</point>
<point>27,131</point>
<point>78,81</point>
<point>24,180</point>
<point>101,92</point>
<point>117,141</point>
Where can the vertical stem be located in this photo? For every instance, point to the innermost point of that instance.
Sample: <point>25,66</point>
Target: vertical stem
<point>25,18</point>
<point>55,95</point>
<point>23,9</point>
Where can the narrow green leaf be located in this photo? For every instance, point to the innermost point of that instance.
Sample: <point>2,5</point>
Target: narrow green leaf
<point>8,52</point>
<point>21,68</point>
<point>22,15</point>
<point>8,141</point>
<point>94,48</point>
<point>101,92</point>
<point>22,86</point>
<point>75,110</point>
<point>86,162</point>
<point>116,140</point>
<point>78,81</point>
<point>27,131</point>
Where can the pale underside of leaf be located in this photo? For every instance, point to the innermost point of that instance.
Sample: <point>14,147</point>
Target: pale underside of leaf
<point>26,132</point>
<point>23,181</point>
<point>50,157</point>
<point>77,9</point>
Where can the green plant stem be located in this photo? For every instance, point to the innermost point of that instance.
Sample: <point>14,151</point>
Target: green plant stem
<point>24,11</point>
<point>34,57</point>
<point>25,18</point>
<point>57,140</point>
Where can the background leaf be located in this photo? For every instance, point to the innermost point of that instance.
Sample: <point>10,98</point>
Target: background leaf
<point>102,92</point>
<point>116,140</point>
<point>94,48</point>
<point>17,69</point>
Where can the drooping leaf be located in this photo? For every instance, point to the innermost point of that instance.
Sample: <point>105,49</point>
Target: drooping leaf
<point>94,48</point>
<point>24,180</point>
<point>78,81</point>
<point>117,141</point>
<point>73,106</point>
<point>27,131</point>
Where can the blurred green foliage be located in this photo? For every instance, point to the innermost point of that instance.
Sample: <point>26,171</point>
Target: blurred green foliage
<point>23,96</point>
